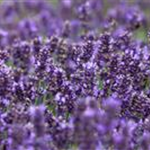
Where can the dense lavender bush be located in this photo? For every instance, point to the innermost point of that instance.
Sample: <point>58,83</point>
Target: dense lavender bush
<point>74,75</point>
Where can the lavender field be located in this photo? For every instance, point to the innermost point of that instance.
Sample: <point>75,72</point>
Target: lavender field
<point>74,75</point>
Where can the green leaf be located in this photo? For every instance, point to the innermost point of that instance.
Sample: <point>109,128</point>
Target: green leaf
<point>100,84</point>
<point>141,34</point>
<point>52,109</point>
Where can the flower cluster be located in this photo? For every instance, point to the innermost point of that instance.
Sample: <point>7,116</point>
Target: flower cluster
<point>74,75</point>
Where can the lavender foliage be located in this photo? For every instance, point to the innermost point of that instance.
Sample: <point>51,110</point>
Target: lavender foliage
<point>74,75</point>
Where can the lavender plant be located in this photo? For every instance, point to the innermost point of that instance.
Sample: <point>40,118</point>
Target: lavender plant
<point>74,75</point>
